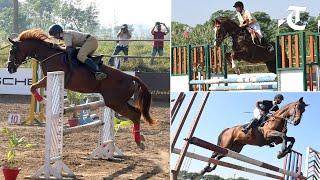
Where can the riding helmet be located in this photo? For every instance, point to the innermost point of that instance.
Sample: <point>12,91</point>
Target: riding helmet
<point>238,4</point>
<point>279,96</point>
<point>55,29</point>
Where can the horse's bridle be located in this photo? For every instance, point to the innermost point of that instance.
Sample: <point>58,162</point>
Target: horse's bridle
<point>291,117</point>
<point>223,31</point>
<point>13,52</point>
<point>15,49</point>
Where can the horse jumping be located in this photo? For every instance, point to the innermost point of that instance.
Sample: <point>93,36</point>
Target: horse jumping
<point>243,48</point>
<point>273,131</point>
<point>116,90</point>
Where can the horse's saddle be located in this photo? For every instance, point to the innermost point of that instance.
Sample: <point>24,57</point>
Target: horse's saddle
<point>75,62</point>
<point>255,40</point>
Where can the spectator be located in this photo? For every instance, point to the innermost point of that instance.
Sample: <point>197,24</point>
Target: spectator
<point>158,45</point>
<point>123,44</point>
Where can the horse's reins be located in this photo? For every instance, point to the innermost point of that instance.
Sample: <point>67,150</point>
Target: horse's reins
<point>53,55</point>
<point>287,120</point>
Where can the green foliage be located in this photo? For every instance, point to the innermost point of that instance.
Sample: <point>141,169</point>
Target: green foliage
<point>75,98</point>
<point>14,142</point>
<point>43,13</point>
<point>72,17</point>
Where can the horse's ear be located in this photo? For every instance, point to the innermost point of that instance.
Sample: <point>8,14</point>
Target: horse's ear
<point>301,100</point>
<point>12,41</point>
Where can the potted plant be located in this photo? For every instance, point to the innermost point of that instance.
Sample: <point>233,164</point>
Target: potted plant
<point>10,168</point>
<point>74,98</point>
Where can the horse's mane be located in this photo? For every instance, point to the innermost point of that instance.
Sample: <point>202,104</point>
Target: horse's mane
<point>226,19</point>
<point>40,35</point>
<point>34,34</point>
<point>284,108</point>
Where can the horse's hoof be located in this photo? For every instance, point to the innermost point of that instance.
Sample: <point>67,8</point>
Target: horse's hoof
<point>205,170</point>
<point>282,154</point>
<point>142,138</point>
<point>141,145</point>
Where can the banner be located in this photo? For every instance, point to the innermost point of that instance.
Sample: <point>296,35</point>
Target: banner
<point>17,83</point>
<point>158,83</point>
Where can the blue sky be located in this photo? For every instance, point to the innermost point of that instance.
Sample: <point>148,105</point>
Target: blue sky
<point>197,12</point>
<point>228,109</point>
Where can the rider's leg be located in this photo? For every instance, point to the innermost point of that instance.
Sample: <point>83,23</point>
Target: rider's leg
<point>261,122</point>
<point>94,67</point>
<point>87,48</point>
<point>250,125</point>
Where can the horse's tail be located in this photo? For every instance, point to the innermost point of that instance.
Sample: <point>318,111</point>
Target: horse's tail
<point>143,100</point>
<point>220,135</point>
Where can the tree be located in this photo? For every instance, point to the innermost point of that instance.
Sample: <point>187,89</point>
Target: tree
<point>15,16</point>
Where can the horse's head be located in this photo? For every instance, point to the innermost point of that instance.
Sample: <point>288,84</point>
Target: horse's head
<point>17,56</point>
<point>223,26</point>
<point>27,45</point>
<point>220,32</point>
<point>296,110</point>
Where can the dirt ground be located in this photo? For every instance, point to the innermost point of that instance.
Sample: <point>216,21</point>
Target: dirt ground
<point>152,163</point>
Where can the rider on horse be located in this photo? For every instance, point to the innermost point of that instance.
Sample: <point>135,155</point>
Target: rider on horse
<point>246,19</point>
<point>87,43</point>
<point>260,113</point>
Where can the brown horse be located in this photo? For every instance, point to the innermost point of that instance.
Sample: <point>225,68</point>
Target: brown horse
<point>273,131</point>
<point>116,90</point>
<point>243,47</point>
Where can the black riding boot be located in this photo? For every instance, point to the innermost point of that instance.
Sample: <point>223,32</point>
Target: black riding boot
<point>94,67</point>
<point>250,125</point>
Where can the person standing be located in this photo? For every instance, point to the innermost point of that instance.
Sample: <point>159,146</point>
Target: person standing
<point>123,44</point>
<point>158,34</point>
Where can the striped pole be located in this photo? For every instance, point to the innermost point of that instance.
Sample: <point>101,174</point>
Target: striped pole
<point>312,167</point>
<point>232,154</point>
<point>225,164</point>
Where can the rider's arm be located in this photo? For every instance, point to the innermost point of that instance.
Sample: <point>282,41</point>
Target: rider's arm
<point>167,29</point>
<point>67,38</point>
<point>249,18</point>
<point>258,103</point>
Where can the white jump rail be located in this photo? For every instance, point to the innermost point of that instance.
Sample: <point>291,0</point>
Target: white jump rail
<point>53,166</point>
